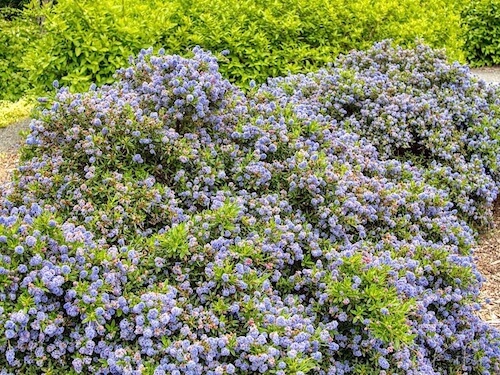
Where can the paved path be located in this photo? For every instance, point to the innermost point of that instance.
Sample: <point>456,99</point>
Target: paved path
<point>488,74</point>
<point>10,139</point>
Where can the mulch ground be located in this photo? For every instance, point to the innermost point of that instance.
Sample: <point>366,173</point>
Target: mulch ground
<point>487,256</point>
<point>8,162</point>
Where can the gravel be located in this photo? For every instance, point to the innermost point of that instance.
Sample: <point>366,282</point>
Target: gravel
<point>10,139</point>
<point>487,252</point>
<point>487,255</point>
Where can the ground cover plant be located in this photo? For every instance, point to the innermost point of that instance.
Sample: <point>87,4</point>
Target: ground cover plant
<point>80,42</point>
<point>170,223</point>
<point>11,112</point>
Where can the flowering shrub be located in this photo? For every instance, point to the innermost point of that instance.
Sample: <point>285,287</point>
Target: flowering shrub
<point>170,224</point>
<point>412,105</point>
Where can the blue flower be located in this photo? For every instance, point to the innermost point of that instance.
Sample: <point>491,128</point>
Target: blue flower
<point>138,159</point>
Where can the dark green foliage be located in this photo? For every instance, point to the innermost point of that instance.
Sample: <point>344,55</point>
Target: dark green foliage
<point>12,3</point>
<point>481,23</point>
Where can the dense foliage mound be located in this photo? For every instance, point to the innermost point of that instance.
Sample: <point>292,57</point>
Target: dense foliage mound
<point>85,41</point>
<point>170,224</point>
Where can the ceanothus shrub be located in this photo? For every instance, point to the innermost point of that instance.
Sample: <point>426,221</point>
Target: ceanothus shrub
<point>412,106</point>
<point>170,224</point>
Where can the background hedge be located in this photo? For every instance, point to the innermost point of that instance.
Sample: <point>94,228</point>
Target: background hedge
<point>481,24</point>
<point>79,42</point>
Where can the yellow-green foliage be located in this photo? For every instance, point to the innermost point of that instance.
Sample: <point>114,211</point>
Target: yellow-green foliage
<point>16,35</point>
<point>11,112</point>
<point>84,41</point>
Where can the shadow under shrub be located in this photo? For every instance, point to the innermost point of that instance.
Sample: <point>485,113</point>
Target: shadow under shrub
<point>171,224</point>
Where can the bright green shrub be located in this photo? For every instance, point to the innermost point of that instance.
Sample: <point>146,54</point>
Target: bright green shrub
<point>15,35</point>
<point>481,23</point>
<point>80,42</point>
<point>84,42</point>
<point>271,39</point>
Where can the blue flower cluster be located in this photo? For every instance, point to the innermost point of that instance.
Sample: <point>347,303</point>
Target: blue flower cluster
<point>318,224</point>
<point>413,106</point>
